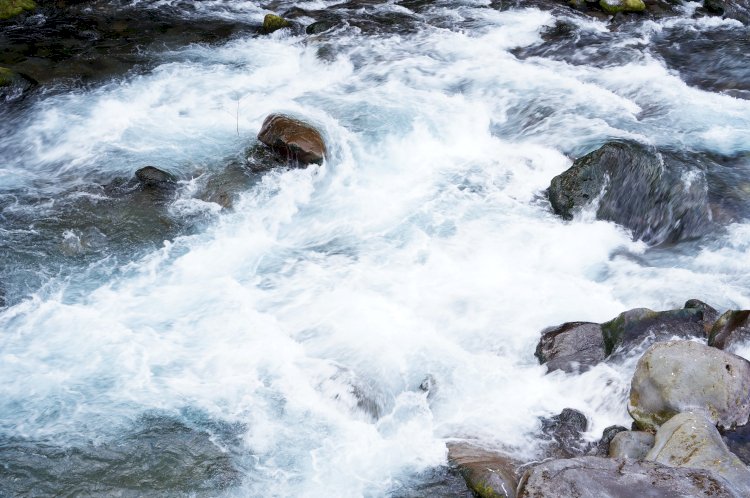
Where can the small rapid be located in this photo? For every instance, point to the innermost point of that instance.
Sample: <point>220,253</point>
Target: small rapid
<point>295,329</point>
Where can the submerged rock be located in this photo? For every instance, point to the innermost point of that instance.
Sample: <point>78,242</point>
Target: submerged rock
<point>573,346</point>
<point>13,84</point>
<point>595,477</point>
<point>12,8</point>
<point>564,433</point>
<point>632,327</point>
<point>733,327</point>
<point>489,474</point>
<point>738,10</point>
<point>657,196</point>
<point>615,6</point>
<point>296,140</point>
<point>677,376</point>
<point>691,440</point>
<point>151,177</point>
<point>438,482</point>
<point>631,445</point>
<point>272,22</point>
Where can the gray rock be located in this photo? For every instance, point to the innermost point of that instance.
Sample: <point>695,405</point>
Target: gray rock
<point>489,474</point>
<point>573,346</point>
<point>631,445</point>
<point>151,177</point>
<point>564,433</point>
<point>635,326</point>
<point>710,315</point>
<point>295,140</point>
<point>731,329</point>
<point>738,442</point>
<point>601,448</point>
<point>677,376</point>
<point>691,440</point>
<point>638,187</point>
<point>732,9</point>
<point>595,477</point>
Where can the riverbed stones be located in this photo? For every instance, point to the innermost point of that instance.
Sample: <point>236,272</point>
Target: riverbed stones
<point>489,474</point>
<point>635,326</point>
<point>294,139</point>
<point>596,477</point>
<point>691,440</point>
<point>570,347</point>
<point>631,445</point>
<point>677,376</point>
<point>658,195</point>
<point>732,328</point>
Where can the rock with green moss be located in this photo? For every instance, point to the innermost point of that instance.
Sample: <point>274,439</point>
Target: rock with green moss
<point>11,8</point>
<point>678,376</point>
<point>731,329</point>
<point>489,474</point>
<point>272,23</point>
<point>615,6</point>
<point>640,325</point>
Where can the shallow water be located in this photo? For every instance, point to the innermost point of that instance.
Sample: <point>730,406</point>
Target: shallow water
<point>284,341</point>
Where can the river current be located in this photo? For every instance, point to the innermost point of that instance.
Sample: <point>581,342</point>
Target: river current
<point>281,347</point>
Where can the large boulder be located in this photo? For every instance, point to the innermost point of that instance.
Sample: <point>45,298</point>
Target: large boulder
<point>658,196</point>
<point>596,477</point>
<point>295,140</point>
<point>489,474</point>
<point>677,376</point>
<point>732,328</point>
<point>635,326</point>
<point>12,8</point>
<point>691,440</point>
<point>631,445</point>
<point>573,346</point>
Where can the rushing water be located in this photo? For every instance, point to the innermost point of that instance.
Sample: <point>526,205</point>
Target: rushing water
<point>277,348</point>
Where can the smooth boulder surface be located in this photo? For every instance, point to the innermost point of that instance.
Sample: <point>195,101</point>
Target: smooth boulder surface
<point>489,474</point>
<point>678,376</point>
<point>296,140</point>
<point>595,477</point>
<point>635,326</point>
<point>151,177</point>
<point>691,440</point>
<point>631,445</point>
<point>573,346</point>
<point>658,196</point>
<point>732,328</point>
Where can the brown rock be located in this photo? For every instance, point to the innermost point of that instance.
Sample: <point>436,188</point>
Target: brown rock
<point>292,138</point>
<point>489,474</point>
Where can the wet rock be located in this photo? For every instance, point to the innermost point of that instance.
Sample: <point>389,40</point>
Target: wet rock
<point>631,445</point>
<point>489,474</point>
<point>732,9</point>
<point>295,140</point>
<point>738,442</point>
<point>2,297</point>
<point>657,195</point>
<point>13,85</point>
<point>12,8</point>
<point>691,440</point>
<point>601,448</point>
<point>151,177</point>
<point>615,6</point>
<point>440,482</point>
<point>322,26</point>
<point>635,326</point>
<point>570,347</point>
<point>272,22</point>
<point>564,433</point>
<point>595,477</point>
<point>677,376</point>
<point>731,329</point>
<point>710,315</point>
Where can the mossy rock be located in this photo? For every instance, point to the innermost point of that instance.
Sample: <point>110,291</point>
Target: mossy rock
<point>13,85</point>
<point>615,6</point>
<point>272,23</point>
<point>11,8</point>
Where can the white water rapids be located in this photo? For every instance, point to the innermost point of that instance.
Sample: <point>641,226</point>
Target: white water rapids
<point>423,246</point>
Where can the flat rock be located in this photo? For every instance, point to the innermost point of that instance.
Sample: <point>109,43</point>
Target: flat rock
<point>691,440</point>
<point>596,477</point>
<point>677,376</point>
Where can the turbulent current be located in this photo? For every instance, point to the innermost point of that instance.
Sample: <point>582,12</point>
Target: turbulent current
<point>332,329</point>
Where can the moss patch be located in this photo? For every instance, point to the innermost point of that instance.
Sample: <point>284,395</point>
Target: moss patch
<point>272,22</point>
<point>615,6</point>
<point>6,76</point>
<point>10,8</point>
